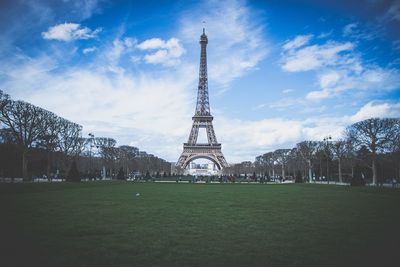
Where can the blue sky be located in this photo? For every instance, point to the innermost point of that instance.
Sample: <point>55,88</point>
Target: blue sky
<point>279,71</point>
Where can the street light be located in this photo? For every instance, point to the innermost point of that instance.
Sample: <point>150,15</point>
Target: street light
<point>327,140</point>
<point>91,137</point>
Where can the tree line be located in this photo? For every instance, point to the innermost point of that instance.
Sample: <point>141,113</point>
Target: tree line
<point>368,152</point>
<point>37,142</point>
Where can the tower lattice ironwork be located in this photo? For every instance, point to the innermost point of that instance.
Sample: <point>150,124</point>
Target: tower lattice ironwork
<point>202,119</point>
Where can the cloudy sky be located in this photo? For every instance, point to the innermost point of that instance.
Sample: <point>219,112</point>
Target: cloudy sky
<point>279,71</point>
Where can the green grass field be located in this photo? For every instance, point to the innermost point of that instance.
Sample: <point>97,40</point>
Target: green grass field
<point>105,224</point>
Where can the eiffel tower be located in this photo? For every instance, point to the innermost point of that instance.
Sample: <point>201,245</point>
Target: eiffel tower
<point>202,119</point>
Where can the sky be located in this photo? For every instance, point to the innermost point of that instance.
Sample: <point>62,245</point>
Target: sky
<point>280,72</point>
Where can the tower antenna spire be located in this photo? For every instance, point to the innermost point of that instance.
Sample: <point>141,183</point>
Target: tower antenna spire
<point>204,26</point>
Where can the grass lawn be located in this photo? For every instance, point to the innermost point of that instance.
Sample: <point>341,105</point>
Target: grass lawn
<point>105,224</point>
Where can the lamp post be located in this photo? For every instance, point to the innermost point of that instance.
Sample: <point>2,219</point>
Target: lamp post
<point>91,138</point>
<point>327,140</point>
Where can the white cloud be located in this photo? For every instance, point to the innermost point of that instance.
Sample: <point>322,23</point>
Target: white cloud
<point>364,32</point>
<point>317,95</point>
<point>117,48</point>
<point>314,56</point>
<point>112,53</point>
<point>300,105</point>
<point>259,106</point>
<point>287,91</point>
<point>339,68</point>
<point>167,53</point>
<point>156,43</point>
<point>130,42</point>
<point>250,138</point>
<point>349,29</point>
<point>135,59</point>
<point>87,7</point>
<point>236,38</point>
<point>286,102</point>
<point>371,78</point>
<point>297,42</point>
<point>328,79</point>
<point>89,49</point>
<point>325,34</point>
<point>69,31</point>
<point>377,109</point>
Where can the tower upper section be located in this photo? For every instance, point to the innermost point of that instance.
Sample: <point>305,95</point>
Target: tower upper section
<point>203,103</point>
<point>203,37</point>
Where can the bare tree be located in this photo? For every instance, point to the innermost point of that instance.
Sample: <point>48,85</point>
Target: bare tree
<point>247,167</point>
<point>376,135</point>
<point>70,140</point>
<point>339,150</point>
<point>258,165</point>
<point>4,99</point>
<point>351,155</point>
<point>27,123</point>
<point>49,139</point>
<point>282,156</point>
<point>394,150</point>
<point>6,136</point>
<point>126,156</point>
<point>296,162</point>
<point>107,151</point>
<point>326,148</point>
<point>307,150</point>
<point>269,161</point>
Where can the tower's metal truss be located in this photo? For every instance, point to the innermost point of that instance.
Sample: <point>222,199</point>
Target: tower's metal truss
<point>202,119</point>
